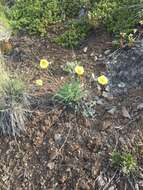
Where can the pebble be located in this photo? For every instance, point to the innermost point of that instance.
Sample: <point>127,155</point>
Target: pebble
<point>121,85</point>
<point>95,58</point>
<point>112,110</point>
<point>112,188</point>
<point>107,88</point>
<point>85,49</point>
<point>107,52</point>
<point>100,102</point>
<point>58,138</point>
<point>101,181</point>
<point>107,95</point>
<point>92,54</point>
<point>51,165</point>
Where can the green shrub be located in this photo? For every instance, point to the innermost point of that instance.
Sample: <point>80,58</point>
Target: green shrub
<point>74,17</point>
<point>117,16</point>
<point>125,161</point>
<point>70,9</point>
<point>71,93</point>
<point>75,33</point>
<point>39,17</point>
<point>34,16</point>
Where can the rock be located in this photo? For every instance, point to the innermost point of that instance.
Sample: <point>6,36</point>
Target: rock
<point>140,106</point>
<point>107,52</point>
<point>102,58</point>
<point>101,181</point>
<point>125,69</point>
<point>107,124</point>
<point>85,49</point>
<point>112,188</point>
<point>112,110</point>
<point>121,85</point>
<point>95,58</point>
<point>51,165</point>
<point>125,113</point>
<point>83,186</point>
<point>92,54</point>
<point>100,102</point>
<point>107,88</point>
<point>107,95</point>
<point>58,138</point>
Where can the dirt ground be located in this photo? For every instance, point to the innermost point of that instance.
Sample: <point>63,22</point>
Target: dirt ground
<point>63,150</point>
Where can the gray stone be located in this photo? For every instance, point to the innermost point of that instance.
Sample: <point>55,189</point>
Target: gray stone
<point>100,102</point>
<point>58,138</point>
<point>85,49</point>
<point>107,95</point>
<point>121,85</point>
<point>107,52</point>
<point>112,110</point>
<point>125,69</point>
<point>95,58</point>
<point>92,54</point>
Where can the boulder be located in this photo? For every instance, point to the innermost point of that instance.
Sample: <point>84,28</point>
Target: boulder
<point>125,69</point>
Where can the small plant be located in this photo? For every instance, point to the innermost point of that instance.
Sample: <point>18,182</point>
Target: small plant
<point>128,164</point>
<point>125,161</point>
<point>127,40</point>
<point>14,104</point>
<point>75,33</point>
<point>70,66</point>
<point>88,108</point>
<point>71,93</point>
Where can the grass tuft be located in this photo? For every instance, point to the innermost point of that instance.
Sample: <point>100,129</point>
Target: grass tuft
<point>14,104</point>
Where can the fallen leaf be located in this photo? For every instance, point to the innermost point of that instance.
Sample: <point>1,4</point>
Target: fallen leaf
<point>107,124</point>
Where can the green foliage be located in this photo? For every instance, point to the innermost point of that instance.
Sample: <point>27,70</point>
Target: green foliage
<point>117,16</point>
<point>70,9</point>
<point>71,93</point>
<point>75,17</point>
<point>75,33</point>
<point>125,161</point>
<point>10,86</point>
<point>34,16</point>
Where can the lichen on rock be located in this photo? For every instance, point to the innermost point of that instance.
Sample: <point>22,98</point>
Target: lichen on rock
<point>125,69</point>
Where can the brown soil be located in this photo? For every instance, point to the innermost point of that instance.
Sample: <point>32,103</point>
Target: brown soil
<point>63,150</point>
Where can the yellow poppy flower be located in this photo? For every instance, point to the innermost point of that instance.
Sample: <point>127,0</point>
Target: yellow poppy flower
<point>79,70</point>
<point>39,82</point>
<point>103,80</point>
<point>44,63</point>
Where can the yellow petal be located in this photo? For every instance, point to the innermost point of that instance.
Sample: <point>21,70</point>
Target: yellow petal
<point>79,70</point>
<point>103,80</point>
<point>44,63</point>
<point>39,82</point>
